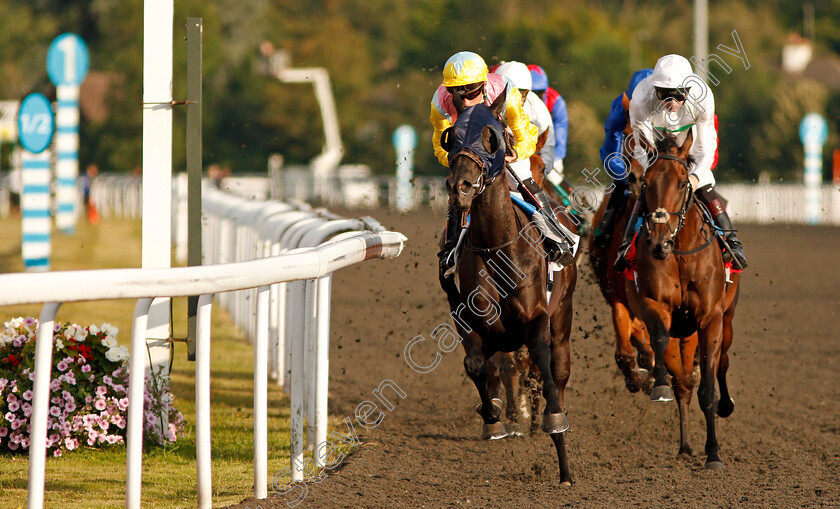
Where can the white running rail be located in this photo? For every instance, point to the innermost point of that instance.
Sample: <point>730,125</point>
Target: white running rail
<point>305,263</point>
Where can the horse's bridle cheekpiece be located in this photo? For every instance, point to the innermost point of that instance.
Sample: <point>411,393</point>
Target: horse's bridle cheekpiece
<point>661,215</point>
<point>464,139</point>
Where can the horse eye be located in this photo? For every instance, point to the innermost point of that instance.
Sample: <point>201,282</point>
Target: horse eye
<point>632,178</point>
<point>682,184</point>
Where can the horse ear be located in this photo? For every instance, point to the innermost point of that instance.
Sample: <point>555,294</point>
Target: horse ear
<point>446,139</point>
<point>490,140</point>
<point>686,146</point>
<point>458,103</point>
<point>498,105</point>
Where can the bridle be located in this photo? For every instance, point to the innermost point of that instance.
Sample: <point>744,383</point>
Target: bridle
<point>661,215</point>
<point>481,182</point>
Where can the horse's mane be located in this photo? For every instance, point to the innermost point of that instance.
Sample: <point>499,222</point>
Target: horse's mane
<point>669,141</point>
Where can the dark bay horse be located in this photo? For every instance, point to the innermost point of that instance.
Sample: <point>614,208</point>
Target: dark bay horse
<point>500,303</point>
<point>682,290</point>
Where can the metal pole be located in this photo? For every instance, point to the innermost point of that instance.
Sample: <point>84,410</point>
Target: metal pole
<point>322,364</point>
<point>202,403</point>
<point>701,30</point>
<point>298,294</point>
<point>195,28</point>
<point>261,396</point>
<point>136,378</point>
<point>41,406</point>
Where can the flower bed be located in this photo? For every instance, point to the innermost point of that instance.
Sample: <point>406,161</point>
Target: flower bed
<point>88,394</point>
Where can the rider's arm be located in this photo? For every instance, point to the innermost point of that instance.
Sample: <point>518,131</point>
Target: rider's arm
<point>640,121</point>
<point>560,117</point>
<point>439,124</point>
<point>703,148</point>
<point>613,136</point>
<point>541,117</point>
<point>524,132</point>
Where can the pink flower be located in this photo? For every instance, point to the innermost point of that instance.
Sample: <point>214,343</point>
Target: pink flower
<point>13,446</point>
<point>71,443</point>
<point>31,377</point>
<point>13,406</point>
<point>108,380</point>
<point>11,398</point>
<point>70,407</point>
<point>86,368</point>
<point>62,366</point>
<point>123,403</point>
<point>119,388</point>
<point>19,341</point>
<point>56,327</point>
<point>17,423</point>
<point>55,384</point>
<point>10,416</point>
<point>57,453</point>
<point>113,439</point>
<point>55,411</point>
<point>27,409</point>
<point>99,404</point>
<point>4,431</point>
<point>29,321</point>
<point>27,395</point>
<point>101,390</point>
<point>24,443</point>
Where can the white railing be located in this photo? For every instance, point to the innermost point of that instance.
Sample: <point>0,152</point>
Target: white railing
<point>778,203</point>
<point>305,263</point>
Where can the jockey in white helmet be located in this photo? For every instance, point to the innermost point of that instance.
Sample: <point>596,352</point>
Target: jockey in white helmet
<point>674,99</point>
<point>520,76</point>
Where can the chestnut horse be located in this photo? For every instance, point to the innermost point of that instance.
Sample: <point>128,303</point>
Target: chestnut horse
<point>500,303</point>
<point>682,289</point>
<point>631,338</point>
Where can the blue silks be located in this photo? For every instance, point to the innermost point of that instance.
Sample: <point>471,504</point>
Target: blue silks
<point>466,134</point>
<point>526,207</point>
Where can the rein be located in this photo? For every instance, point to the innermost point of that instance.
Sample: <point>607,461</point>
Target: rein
<point>488,250</point>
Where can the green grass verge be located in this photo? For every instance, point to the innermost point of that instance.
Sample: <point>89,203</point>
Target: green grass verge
<point>96,477</point>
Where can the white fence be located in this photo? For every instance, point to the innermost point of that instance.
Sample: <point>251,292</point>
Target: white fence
<point>778,203</point>
<point>285,288</point>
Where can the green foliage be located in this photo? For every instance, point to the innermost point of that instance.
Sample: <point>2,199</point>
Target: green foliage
<point>385,59</point>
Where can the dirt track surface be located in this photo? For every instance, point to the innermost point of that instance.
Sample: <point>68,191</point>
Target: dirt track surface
<point>781,446</point>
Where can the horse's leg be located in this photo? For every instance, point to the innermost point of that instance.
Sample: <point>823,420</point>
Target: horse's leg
<point>639,338</point>
<point>561,369</point>
<point>533,388</point>
<point>624,352</point>
<point>725,406</point>
<point>711,339</point>
<point>513,389</point>
<point>679,358</point>
<point>658,321</point>
<point>494,375</point>
<point>541,350</point>
<point>475,363</point>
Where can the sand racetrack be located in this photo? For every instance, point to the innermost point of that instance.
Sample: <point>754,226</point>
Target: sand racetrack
<point>781,446</point>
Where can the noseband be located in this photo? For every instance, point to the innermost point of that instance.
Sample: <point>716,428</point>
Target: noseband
<point>481,182</point>
<point>661,215</point>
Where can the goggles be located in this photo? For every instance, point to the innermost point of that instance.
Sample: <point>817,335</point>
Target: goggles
<point>677,94</point>
<point>467,91</point>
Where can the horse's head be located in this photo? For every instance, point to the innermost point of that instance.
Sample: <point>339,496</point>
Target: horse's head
<point>635,176</point>
<point>667,194</point>
<point>476,148</point>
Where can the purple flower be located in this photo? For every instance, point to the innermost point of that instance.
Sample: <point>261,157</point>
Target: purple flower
<point>86,368</point>
<point>55,411</point>
<point>4,431</point>
<point>29,321</point>
<point>24,443</point>
<point>62,366</point>
<point>10,416</point>
<point>27,395</point>
<point>13,446</point>
<point>27,409</point>
<point>108,380</point>
<point>56,327</point>
<point>13,406</point>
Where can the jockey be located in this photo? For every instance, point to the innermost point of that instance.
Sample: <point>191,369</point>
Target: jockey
<point>675,99</point>
<point>519,75</point>
<point>465,73</point>
<point>560,118</point>
<point>614,129</point>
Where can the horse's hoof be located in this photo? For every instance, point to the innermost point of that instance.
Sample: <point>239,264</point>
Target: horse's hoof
<point>725,407</point>
<point>493,431</point>
<point>714,465</point>
<point>515,430</point>
<point>566,483</point>
<point>497,404</point>
<point>661,393</point>
<point>555,423</point>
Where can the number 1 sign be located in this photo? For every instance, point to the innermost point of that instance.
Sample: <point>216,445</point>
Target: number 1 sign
<point>67,65</point>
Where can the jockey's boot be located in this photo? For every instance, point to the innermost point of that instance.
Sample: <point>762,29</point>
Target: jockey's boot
<point>616,201</point>
<point>558,246</point>
<point>620,264</point>
<point>714,203</point>
<point>453,229</point>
